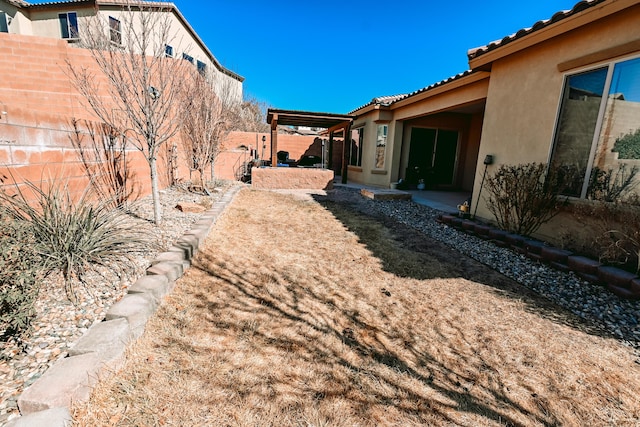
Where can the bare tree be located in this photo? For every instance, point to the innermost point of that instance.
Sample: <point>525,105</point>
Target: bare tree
<point>249,116</point>
<point>207,121</point>
<point>143,86</point>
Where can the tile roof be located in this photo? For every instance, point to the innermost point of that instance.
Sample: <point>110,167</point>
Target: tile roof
<point>381,100</point>
<point>18,3</point>
<point>389,100</point>
<point>102,2</point>
<point>559,16</point>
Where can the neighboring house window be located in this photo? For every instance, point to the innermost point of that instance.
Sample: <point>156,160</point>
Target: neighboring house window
<point>115,31</point>
<point>381,145</point>
<point>597,140</point>
<point>357,138</point>
<point>168,51</point>
<point>4,23</point>
<point>187,57</point>
<point>202,67</point>
<point>68,25</point>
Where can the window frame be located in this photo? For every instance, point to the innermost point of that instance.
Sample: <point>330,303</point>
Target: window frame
<point>4,22</point>
<point>385,139</point>
<point>610,66</point>
<point>360,144</point>
<point>188,57</point>
<point>201,67</point>
<point>69,27</point>
<point>168,51</point>
<point>115,32</point>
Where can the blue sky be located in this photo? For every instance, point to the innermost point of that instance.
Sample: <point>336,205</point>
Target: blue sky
<point>336,55</point>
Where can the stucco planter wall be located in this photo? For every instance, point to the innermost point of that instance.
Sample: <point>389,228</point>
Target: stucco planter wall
<point>292,179</point>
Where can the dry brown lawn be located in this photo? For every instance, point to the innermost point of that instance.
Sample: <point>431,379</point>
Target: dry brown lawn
<point>300,313</point>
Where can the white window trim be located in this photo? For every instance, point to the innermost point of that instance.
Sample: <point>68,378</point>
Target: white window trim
<point>77,37</point>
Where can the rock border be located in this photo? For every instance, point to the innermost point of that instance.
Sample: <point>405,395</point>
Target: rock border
<point>101,350</point>
<point>622,283</point>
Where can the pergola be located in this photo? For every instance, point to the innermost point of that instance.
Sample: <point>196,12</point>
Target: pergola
<point>332,122</point>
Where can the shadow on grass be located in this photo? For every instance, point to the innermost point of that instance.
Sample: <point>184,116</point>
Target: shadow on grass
<point>392,370</point>
<point>406,252</point>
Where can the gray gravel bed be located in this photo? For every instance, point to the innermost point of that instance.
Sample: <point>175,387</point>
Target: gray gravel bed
<point>599,307</point>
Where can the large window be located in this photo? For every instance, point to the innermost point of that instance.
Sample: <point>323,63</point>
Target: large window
<point>381,146</point>
<point>4,23</point>
<point>357,138</point>
<point>115,31</point>
<point>68,25</point>
<point>597,140</point>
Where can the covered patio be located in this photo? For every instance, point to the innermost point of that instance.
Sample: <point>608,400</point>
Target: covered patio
<point>334,123</point>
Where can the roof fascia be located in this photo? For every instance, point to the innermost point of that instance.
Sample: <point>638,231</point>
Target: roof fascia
<point>369,108</point>
<point>447,87</point>
<point>553,30</point>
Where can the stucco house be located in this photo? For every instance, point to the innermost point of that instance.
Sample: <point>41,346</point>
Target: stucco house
<point>68,19</point>
<point>564,91</point>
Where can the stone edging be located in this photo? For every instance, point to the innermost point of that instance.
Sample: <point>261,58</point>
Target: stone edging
<point>620,282</point>
<point>101,350</point>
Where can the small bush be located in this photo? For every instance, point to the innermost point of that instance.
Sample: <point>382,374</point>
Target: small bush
<point>628,146</point>
<point>19,276</point>
<point>523,197</point>
<point>75,237</point>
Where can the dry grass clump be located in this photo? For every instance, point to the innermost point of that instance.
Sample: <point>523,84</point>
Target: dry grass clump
<point>302,314</point>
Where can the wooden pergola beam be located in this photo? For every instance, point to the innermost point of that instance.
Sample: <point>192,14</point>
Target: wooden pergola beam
<point>274,141</point>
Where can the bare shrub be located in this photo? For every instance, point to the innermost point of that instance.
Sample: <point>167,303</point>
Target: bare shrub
<point>207,121</point>
<point>103,152</point>
<point>616,236</point>
<point>612,185</point>
<point>525,196</point>
<point>18,278</point>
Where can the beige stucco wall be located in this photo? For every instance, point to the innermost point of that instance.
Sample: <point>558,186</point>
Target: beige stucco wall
<point>526,87</point>
<point>19,23</point>
<point>368,173</point>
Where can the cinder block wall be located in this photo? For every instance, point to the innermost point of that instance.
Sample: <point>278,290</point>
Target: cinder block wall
<point>37,105</point>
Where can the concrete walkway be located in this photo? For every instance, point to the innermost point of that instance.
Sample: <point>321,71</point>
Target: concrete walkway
<point>445,201</point>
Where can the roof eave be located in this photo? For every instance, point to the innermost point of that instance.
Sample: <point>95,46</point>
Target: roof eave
<point>446,87</point>
<point>482,57</point>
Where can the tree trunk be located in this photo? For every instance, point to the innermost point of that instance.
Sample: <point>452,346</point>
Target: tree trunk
<point>157,212</point>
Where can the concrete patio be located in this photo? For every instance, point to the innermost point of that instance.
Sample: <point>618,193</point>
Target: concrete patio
<point>445,201</point>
